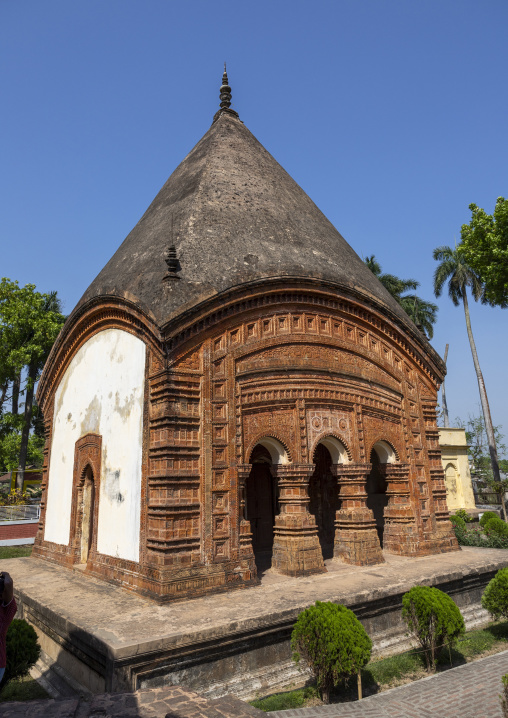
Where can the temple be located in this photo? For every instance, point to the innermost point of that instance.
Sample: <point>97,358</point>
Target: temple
<point>237,391</point>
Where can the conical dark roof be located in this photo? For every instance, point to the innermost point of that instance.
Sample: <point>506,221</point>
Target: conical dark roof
<point>234,216</point>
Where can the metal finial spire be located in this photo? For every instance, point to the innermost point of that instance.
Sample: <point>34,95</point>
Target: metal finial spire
<point>225,97</point>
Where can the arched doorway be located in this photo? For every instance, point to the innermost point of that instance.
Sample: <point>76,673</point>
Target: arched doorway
<point>87,515</point>
<point>324,499</point>
<point>261,499</point>
<point>377,498</point>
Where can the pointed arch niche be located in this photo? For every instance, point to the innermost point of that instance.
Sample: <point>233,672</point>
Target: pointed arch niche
<point>85,498</point>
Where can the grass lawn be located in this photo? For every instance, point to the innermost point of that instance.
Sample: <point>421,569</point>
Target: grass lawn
<point>384,673</point>
<point>15,551</point>
<point>24,689</point>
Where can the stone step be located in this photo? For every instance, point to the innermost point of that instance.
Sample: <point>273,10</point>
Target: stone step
<point>55,681</point>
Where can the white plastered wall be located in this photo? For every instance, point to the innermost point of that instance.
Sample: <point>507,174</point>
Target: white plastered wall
<point>101,392</point>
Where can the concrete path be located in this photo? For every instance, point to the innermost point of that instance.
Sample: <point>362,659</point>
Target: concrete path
<point>469,691</point>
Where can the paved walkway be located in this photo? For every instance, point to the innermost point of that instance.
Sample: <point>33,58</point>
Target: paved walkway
<point>469,691</point>
<point>172,702</point>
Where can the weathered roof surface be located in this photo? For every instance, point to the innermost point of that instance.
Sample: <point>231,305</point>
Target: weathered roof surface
<point>234,215</point>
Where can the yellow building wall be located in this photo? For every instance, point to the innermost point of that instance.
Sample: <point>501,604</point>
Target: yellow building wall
<point>459,490</point>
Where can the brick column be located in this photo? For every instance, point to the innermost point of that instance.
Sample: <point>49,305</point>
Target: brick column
<point>245,532</point>
<point>401,532</point>
<point>296,547</point>
<point>356,539</point>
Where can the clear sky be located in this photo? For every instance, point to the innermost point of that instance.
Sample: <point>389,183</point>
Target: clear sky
<point>391,114</point>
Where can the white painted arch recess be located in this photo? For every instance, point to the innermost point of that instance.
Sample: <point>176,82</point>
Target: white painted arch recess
<point>101,392</point>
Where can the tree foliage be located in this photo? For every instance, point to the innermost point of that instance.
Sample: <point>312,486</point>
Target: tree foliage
<point>421,312</point>
<point>479,454</point>
<point>29,324</point>
<point>434,620</point>
<point>495,596</point>
<point>332,641</point>
<point>23,650</point>
<point>454,271</point>
<point>484,247</point>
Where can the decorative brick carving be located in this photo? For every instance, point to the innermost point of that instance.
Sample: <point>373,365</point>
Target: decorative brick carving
<point>401,531</point>
<point>290,360</point>
<point>296,548</point>
<point>356,537</point>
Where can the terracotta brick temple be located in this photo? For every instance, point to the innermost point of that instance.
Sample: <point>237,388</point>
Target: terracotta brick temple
<point>236,390</point>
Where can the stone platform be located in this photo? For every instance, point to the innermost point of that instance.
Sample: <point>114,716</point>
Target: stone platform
<point>110,640</point>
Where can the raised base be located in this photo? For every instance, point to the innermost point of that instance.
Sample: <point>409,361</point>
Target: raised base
<point>112,640</point>
<point>160,583</point>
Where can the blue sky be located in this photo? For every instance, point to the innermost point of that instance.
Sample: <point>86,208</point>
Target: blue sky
<point>390,114</point>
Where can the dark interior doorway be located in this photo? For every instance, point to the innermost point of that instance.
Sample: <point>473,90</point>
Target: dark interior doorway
<point>261,506</point>
<point>377,498</point>
<point>324,499</point>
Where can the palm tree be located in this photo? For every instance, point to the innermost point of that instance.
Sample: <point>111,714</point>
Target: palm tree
<point>454,270</point>
<point>421,312</point>
<point>393,284</point>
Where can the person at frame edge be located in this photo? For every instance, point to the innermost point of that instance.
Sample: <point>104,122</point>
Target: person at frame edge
<point>8,610</point>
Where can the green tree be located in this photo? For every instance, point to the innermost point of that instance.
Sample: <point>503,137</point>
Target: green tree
<point>23,650</point>
<point>478,449</point>
<point>495,596</point>
<point>421,312</point>
<point>484,247</point>
<point>433,618</point>
<point>29,324</point>
<point>454,271</point>
<point>332,641</point>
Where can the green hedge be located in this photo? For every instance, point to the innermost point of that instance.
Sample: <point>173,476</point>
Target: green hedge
<point>496,526</point>
<point>458,521</point>
<point>488,515</point>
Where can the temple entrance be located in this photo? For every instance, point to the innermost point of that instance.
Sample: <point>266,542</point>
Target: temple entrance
<point>377,498</point>
<point>324,499</point>
<point>87,514</point>
<point>261,505</point>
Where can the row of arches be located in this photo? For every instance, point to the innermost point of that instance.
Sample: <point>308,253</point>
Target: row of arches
<point>262,492</point>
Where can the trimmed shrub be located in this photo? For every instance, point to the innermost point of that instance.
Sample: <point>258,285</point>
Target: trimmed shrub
<point>23,650</point>
<point>332,641</point>
<point>486,516</point>
<point>458,521</point>
<point>434,620</point>
<point>497,526</point>
<point>462,514</point>
<point>495,596</point>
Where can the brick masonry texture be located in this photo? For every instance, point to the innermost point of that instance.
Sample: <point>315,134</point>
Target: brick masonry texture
<point>14,530</point>
<point>289,342</point>
<point>470,691</point>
